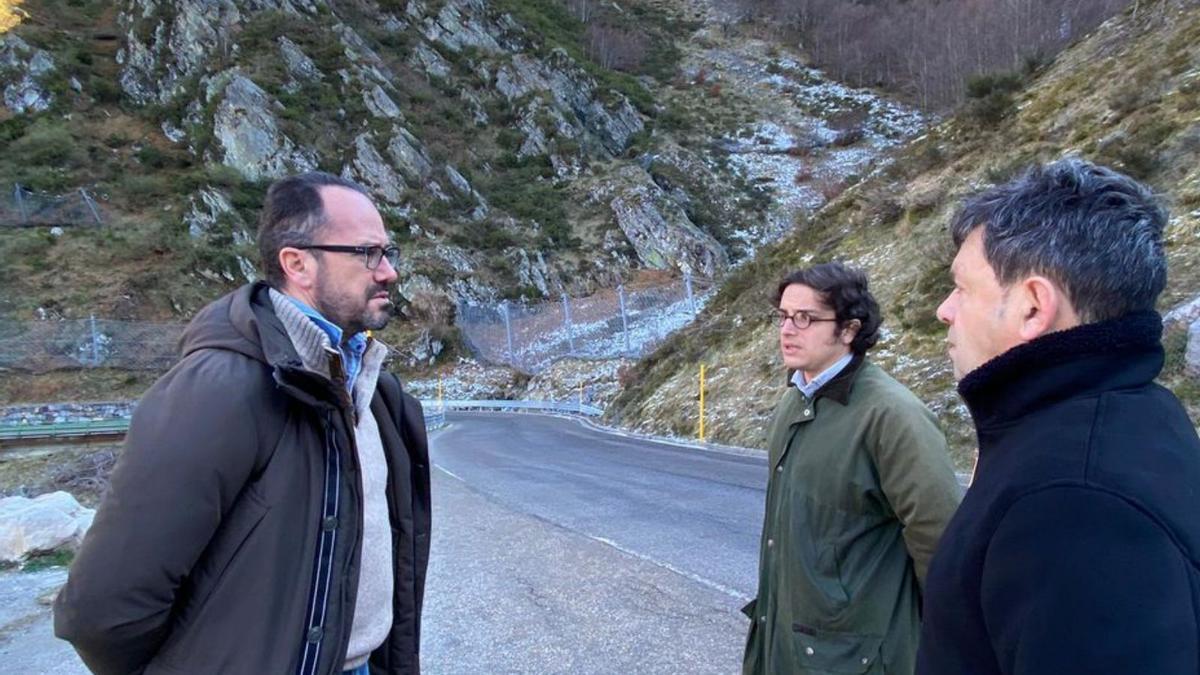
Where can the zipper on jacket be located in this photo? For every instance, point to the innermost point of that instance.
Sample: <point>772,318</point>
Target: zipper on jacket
<point>318,597</point>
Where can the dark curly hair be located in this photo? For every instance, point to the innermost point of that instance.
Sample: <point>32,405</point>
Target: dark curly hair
<point>845,290</point>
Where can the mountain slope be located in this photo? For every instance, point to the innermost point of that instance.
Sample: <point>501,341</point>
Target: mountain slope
<point>1128,96</point>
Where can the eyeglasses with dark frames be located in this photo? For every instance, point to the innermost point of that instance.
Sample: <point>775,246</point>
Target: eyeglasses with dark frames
<point>801,319</point>
<point>372,255</point>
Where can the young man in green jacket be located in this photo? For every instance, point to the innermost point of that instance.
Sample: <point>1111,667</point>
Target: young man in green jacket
<point>860,489</point>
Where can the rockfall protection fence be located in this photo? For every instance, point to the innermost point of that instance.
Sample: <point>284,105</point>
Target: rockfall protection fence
<point>43,346</point>
<point>609,324</point>
<point>21,207</point>
<point>612,323</point>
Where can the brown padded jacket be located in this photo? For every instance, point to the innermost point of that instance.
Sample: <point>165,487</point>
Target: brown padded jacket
<point>228,541</point>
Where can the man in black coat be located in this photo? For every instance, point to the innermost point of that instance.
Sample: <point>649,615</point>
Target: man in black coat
<point>270,510</point>
<point>1077,547</point>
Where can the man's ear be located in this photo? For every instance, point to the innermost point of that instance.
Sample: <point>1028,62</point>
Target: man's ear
<point>299,268</point>
<point>1043,307</point>
<point>849,331</point>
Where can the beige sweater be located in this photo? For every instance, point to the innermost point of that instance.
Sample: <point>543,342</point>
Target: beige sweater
<point>373,608</point>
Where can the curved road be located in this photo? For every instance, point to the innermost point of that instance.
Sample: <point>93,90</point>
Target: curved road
<point>561,549</point>
<point>556,549</point>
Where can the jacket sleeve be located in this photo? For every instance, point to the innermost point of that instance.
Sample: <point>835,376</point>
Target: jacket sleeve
<point>1078,580</point>
<point>917,478</point>
<point>191,446</point>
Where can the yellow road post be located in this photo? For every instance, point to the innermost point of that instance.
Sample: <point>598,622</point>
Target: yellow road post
<point>701,402</point>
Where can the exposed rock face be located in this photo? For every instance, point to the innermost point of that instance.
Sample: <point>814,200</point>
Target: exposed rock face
<point>247,132</point>
<point>574,93</point>
<point>409,155</point>
<point>208,206</point>
<point>50,522</point>
<point>299,66</point>
<point>532,271</point>
<point>25,93</point>
<point>373,171</point>
<point>455,27</point>
<point>380,104</point>
<point>463,187</point>
<point>659,230</point>
<point>430,62</point>
<point>169,42</point>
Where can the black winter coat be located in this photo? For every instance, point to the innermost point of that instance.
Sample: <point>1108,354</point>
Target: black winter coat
<point>229,539</point>
<point>1077,547</point>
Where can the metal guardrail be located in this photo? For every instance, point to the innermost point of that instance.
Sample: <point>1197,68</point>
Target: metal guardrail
<point>435,418</point>
<point>569,407</point>
<point>64,430</point>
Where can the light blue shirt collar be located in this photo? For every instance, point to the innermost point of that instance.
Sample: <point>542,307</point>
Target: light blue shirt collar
<point>352,351</point>
<point>809,389</point>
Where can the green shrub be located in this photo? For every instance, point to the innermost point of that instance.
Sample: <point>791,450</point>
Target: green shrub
<point>46,143</point>
<point>104,90</point>
<point>141,191</point>
<point>982,86</point>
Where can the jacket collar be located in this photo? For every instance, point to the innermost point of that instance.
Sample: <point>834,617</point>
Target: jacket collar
<point>1075,363</point>
<point>840,386</point>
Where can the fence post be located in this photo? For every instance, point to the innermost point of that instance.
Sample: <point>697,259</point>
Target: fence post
<point>687,283</point>
<point>508,333</point>
<point>91,206</point>
<point>701,402</point>
<point>567,323</point>
<point>20,199</point>
<point>624,318</point>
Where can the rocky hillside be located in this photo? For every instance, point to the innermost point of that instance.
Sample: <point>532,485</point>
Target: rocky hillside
<point>517,150</point>
<point>1128,95</point>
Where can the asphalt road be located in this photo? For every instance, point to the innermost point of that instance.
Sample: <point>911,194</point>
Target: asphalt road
<point>561,549</point>
<point>556,549</point>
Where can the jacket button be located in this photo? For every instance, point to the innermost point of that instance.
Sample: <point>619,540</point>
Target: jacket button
<point>865,660</point>
<point>807,412</point>
<point>770,543</point>
<point>329,524</point>
<point>779,469</point>
<point>315,634</point>
<point>809,651</point>
<point>762,619</point>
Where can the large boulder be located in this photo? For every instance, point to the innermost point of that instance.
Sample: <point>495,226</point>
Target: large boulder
<point>44,524</point>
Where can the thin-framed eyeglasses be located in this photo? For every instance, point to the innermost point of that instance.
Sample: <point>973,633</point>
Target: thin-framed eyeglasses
<point>801,319</point>
<point>372,255</point>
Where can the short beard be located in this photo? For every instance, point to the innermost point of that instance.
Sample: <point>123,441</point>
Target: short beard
<point>341,311</point>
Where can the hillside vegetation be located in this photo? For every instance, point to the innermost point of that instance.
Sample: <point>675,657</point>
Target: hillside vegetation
<point>1128,96</point>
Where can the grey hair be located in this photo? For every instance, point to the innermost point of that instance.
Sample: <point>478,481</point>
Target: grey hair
<point>292,215</point>
<point>1093,231</point>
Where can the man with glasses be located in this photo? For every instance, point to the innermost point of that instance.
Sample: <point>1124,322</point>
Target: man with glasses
<point>270,510</point>
<point>860,488</point>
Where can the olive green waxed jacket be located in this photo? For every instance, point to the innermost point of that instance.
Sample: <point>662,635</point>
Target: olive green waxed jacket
<point>861,487</point>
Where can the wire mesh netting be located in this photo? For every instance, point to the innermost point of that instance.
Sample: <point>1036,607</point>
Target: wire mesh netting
<point>42,346</point>
<point>21,207</point>
<point>612,323</point>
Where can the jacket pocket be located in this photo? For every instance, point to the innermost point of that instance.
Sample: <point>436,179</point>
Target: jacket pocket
<point>210,573</point>
<point>835,651</point>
